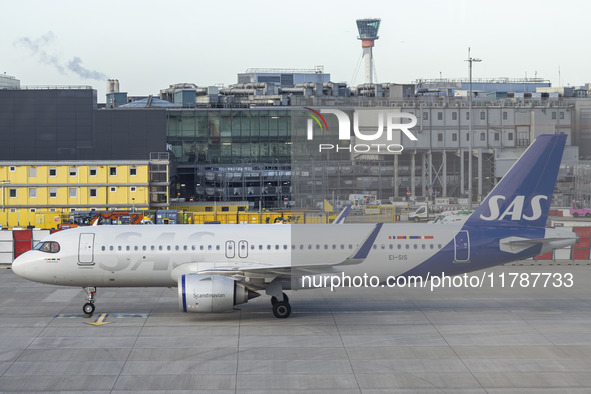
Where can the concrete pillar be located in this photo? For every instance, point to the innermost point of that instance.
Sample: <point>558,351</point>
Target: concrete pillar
<point>444,174</point>
<point>412,173</point>
<point>462,172</point>
<point>430,180</point>
<point>396,175</point>
<point>423,174</point>
<point>479,175</point>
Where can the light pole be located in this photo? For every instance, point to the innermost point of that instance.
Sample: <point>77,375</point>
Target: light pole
<point>470,60</point>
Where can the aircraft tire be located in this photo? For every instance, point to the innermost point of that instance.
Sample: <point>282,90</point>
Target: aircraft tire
<point>282,309</point>
<point>88,308</point>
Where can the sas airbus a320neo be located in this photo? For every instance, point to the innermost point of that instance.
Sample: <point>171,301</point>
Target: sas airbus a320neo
<point>218,266</point>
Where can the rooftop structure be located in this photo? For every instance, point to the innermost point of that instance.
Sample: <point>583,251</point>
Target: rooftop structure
<point>449,87</point>
<point>284,77</point>
<point>9,82</point>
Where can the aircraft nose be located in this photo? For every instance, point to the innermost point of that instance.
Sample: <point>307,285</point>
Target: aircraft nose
<point>19,265</point>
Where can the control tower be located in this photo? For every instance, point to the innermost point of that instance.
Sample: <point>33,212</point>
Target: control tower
<point>368,33</point>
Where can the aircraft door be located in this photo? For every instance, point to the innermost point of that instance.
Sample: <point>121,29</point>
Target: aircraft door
<point>230,252</point>
<point>462,247</point>
<point>86,249</point>
<point>242,249</point>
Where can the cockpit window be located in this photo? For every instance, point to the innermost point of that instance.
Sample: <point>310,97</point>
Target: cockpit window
<point>48,247</point>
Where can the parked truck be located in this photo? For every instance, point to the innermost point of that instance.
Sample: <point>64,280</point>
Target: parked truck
<point>420,214</point>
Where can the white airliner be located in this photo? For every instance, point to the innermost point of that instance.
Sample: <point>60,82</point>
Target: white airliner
<point>218,266</point>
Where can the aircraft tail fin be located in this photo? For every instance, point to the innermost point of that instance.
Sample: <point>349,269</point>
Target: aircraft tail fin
<point>524,194</point>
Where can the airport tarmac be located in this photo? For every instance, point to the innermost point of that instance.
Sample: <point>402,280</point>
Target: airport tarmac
<point>386,340</point>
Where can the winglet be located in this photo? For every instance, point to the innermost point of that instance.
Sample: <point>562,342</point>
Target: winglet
<point>343,215</point>
<point>361,253</point>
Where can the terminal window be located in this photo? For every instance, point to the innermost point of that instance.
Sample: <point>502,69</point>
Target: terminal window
<point>112,171</point>
<point>92,171</point>
<point>52,171</point>
<point>132,171</point>
<point>32,172</point>
<point>92,192</point>
<point>73,171</point>
<point>52,192</point>
<point>12,193</point>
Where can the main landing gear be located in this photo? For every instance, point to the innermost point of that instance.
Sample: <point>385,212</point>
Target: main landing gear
<point>281,309</point>
<point>88,308</point>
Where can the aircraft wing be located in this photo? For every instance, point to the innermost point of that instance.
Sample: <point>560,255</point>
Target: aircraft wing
<point>255,270</point>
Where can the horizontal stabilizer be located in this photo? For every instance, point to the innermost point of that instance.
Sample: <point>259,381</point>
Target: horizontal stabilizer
<point>519,244</point>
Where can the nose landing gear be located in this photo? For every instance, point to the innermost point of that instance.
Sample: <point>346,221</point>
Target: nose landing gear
<point>88,308</point>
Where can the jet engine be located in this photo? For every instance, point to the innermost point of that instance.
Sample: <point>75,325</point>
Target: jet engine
<point>211,293</point>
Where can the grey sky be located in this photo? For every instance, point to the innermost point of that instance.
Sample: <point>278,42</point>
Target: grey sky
<point>149,45</point>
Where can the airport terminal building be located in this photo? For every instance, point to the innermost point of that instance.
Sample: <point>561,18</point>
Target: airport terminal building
<point>248,142</point>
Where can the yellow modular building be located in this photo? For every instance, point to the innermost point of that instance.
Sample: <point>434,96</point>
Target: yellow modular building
<point>32,188</point>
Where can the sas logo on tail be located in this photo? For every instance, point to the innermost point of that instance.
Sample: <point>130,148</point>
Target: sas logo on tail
<point>515,210</point>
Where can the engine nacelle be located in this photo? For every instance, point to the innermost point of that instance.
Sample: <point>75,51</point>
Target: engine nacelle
<point>211,293</point>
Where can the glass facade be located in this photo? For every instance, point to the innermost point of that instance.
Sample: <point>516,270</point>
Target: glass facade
<point>229,136</point>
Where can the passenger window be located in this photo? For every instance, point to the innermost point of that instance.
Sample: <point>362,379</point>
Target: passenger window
<point>375,247</point>
<point>350,246</point>
<point>201,247</point>
<point>160,247</point>
<point>144,247</point>
<point>438,246</point>
<point>111,248</point>
<point>407,246</point>
<point>119,247</point>
<point>391,246</point>
<point>399,246</point>
<point>217,247</point>
<point>325,246</point>
<point>424,246</point>
<point>209,247</point>
<point>168,247</point>
<point>136,248</point>
<point>431,246</point>
<point>260,247</point>
<point>317,246</point>
<point>276,247</point>
<point>128,248</point>
<point>309,246</point>
<point>103,248</point>
<point>342,246</point>
<point>268,247</point>
<point>284,247</point>
<point>383,246</point>
<point>415,246</point>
